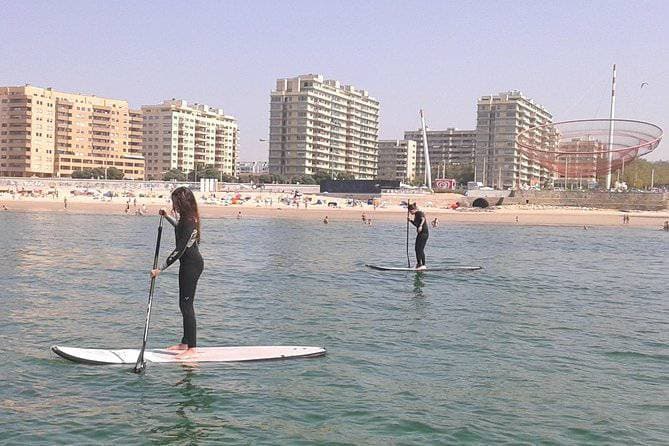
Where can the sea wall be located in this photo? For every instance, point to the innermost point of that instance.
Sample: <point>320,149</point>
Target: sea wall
<point>599,200</point>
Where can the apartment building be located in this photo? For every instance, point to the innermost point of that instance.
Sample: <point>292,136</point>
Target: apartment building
<point>583,158</point>
<point>445,147</point>
<point>500,118</point>
<point>179,135</point>
<point>318,124</point>
<point>397,160</point>
<point>48,133</point>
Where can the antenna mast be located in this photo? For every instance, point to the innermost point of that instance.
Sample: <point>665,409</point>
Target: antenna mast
<point>611,116</point>
<point>428,170</point>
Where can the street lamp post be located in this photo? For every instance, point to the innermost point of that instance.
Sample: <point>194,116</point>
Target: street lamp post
<point>652,178</point>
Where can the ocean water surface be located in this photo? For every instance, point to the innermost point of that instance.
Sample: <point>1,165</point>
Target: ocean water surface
<point>562,338</point>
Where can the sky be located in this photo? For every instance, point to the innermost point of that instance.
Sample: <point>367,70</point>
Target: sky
<point>437,55</point>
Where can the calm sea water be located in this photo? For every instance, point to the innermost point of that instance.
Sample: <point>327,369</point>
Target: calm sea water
<point>563,338</point>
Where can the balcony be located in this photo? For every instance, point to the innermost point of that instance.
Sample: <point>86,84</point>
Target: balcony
<point>20,118</point>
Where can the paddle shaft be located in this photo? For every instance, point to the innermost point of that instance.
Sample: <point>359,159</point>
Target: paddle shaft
<point>408,260</point>
<point>141,364</point>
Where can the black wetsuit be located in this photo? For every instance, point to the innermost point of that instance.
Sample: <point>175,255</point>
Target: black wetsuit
<point>421,238</point>
<point>190,268</point>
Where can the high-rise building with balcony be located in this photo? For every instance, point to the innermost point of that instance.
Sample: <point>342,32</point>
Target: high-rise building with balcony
<point>445,147</point>
<point>397,160</point>
<point>500,118</point>
<point>321,125</point>
<point>179,135</point>
<point>48,133</point>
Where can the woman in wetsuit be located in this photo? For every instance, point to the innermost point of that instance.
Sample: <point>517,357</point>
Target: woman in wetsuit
<point>187,231</point>
<point>422,234</point>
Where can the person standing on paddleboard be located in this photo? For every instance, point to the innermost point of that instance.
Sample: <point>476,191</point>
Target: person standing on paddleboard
<point>422,233</point>
<point>187,232</point>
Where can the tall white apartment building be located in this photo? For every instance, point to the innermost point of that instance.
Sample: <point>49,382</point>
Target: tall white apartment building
<point>446,147</point>
<point>318,124</point>
<point>500,118</point>
<point>397,160</point>
<point>179,135</point>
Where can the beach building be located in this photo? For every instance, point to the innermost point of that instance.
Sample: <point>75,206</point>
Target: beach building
<point>322,125</point>
<point>397,160</point>
<point>48,133</point>
<point>179,135</point>
<point>253,167</point>
<point>446,147</point>
<point>500,118</point>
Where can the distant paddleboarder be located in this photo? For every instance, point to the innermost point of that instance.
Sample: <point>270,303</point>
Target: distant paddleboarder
<point>187,231</point>
<point>422,234</point>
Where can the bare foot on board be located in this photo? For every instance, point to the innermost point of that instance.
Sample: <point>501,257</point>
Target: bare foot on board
<point>187,354</point>
<point>178,347</point>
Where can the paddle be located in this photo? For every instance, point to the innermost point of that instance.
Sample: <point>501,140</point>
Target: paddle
<point>140,366</point>
<point>408,260</point>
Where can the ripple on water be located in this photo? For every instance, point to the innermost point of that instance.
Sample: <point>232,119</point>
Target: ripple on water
<point>554,342</point>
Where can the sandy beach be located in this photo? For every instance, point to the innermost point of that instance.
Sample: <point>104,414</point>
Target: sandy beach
<point>433,205</point>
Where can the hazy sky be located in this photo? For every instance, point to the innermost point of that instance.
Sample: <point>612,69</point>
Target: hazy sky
<point>438,55</point>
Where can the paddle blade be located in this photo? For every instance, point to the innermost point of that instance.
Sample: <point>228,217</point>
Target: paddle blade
<point>140,367</point>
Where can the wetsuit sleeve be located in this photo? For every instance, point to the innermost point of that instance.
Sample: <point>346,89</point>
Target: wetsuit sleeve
<point>171,220</point>
<point>186,234</point>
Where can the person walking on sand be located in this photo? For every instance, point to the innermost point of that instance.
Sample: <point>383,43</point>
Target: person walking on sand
<point>422,233</point>
<point>65,202</point>
<point>187,232</point>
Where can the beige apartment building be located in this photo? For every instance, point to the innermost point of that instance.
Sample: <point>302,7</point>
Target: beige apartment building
<point>397,160</point>
<point>47,133</point>
<point>584,158</point>
<point>322,125</point>
<point>445,147</point>
<point>500,118</point>
<point>179,135</point>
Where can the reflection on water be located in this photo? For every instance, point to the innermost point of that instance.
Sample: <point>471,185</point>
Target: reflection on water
<point>530,350</point>
<point>192,399</point>
<point>418,284</point>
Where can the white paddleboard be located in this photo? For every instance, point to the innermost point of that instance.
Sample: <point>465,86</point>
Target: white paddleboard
<point>443,268</point>
<point>202,354</point>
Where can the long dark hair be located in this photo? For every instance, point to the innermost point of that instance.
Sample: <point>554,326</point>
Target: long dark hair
<point>183,203</point>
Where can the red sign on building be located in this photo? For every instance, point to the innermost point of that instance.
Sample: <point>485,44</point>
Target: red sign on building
<point>445,183</point>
